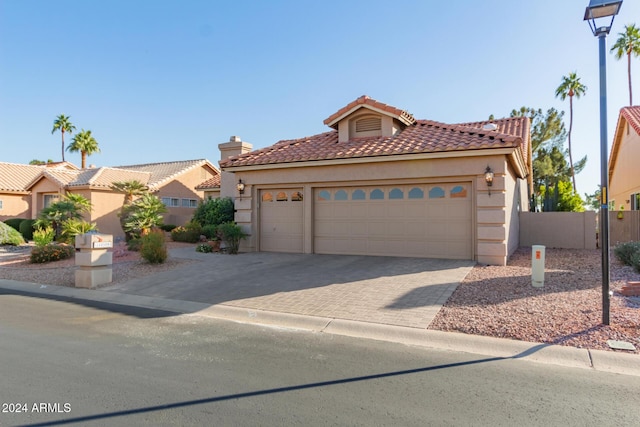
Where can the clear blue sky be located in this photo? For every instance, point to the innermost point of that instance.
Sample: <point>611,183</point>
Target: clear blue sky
<point>170,80</point>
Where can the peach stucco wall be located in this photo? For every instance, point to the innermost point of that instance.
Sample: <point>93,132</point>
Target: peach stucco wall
<point>495,226</point>
<point>626,174</point>
<point>15,206</point>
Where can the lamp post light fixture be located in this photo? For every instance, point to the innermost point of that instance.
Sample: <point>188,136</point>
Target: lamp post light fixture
<point>604,12</point>
<point>488,178</point>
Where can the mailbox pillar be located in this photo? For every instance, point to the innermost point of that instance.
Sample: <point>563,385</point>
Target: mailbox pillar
<point>93,261</point>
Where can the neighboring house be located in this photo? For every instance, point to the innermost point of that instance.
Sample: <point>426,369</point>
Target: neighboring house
<point>383,183</point>
<point>25,189</point>
<point>624,173</point>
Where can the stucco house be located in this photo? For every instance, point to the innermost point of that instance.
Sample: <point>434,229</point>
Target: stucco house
<point>380,182</point>
<point>26,189</point>
<point>624,174</point>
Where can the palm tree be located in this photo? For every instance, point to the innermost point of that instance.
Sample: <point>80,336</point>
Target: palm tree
<point>571,86</point>
<point>63,124</point>
<point>130,189</point>
<point>628,44</point>
<point>86,144</point>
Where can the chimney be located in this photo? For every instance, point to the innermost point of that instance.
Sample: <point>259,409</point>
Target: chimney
<point>234,147</point>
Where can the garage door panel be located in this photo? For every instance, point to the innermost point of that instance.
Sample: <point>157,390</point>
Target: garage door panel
<point>281,221</point>
<point>411,220</point>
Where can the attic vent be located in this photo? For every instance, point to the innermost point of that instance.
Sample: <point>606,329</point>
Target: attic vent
<point>368,124</point>
<point>490,126</point>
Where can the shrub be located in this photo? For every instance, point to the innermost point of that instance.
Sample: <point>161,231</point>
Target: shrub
<point>204,248</point>
<point>153,248</point>
<point>43,236</point>
<point>10,236</point>
<point>635,261</point>
<point>231,233</point>
<point>51,252</point>
<point>73,227</point>
<point>181,234</point>
<point>625,252</point>
<point>14,223</point>
<point>168,227</point>
<point>214,211</point>
<point>26,229</point>
<point>210,231</point>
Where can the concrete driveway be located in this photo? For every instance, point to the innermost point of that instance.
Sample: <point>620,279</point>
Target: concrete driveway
<point>387,290</point>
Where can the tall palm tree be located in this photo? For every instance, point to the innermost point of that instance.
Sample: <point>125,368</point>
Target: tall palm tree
<point>86,144</point>
<point>571,87</point>
<point>63,124</point>
<point>628,44</point>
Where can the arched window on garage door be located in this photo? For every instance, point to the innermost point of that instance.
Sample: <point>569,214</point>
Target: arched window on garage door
<point>267,197</point>
<point>282,197</point>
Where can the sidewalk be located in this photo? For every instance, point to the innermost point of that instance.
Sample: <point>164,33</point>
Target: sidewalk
<point>361,304</point>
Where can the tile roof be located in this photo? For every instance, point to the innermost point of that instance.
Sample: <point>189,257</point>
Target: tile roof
<point>425,136</point>
<point>15,177</point>
<point>632,116</point>
<point>20,178</point>
<point>364,100</point>
<point>164,172</point>
<point>209,184</point>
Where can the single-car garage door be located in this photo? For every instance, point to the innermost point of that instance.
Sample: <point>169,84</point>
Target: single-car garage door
<point>422,220</point>
<point>281,220</point>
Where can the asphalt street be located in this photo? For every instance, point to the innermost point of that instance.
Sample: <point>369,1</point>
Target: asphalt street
<point>71,363</point>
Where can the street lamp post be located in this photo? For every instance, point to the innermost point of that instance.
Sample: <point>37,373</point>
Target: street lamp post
<point>602,10</point>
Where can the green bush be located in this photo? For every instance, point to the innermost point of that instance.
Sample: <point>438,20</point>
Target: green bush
<point>51,252</point>
<point>44,236</point>
<point>168,227</point>
<point>153,248</point>
<point>214,211</point>
<point>635,261</point>
<point>10,236</point>
<point>204,248</point>
<point>73,227</point>
<point>134,244</point>
<point>625,252</point>
<point>231,233</point>
<point>182,234</point>
<point>27,229</point>
<point>14,223</point>
<point>210,231</point>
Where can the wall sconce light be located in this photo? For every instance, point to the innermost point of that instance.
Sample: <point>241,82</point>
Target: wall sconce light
<point>240,188</point>
<point>488,178</point>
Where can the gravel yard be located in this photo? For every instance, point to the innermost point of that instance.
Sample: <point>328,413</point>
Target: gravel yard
<point>500,302</point>
<point>496,301</point>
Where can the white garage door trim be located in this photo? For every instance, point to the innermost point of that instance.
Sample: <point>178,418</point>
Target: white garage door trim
<point>416,220</point>
<point>281,220</point>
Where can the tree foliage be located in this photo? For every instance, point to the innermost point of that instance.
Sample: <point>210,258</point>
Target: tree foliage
<point>628,44</point>
<point>70,207</point>
<point>214,212</point>
<point>63,124</point>
<point>84,143</point>
<point>143,215</point>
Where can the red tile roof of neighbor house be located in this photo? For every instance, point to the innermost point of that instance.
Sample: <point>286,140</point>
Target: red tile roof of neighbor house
<point>632,116</point>
<point>423,136</point>
<point>209,184</point>
<point>364,100</point>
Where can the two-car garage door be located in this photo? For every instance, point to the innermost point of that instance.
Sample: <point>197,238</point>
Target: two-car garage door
<point>421,220</point>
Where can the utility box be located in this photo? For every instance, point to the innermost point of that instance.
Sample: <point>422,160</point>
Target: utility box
<point>537,266</point>
<point>94,261</point>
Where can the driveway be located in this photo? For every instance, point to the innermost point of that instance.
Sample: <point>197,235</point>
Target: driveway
<point>387,290</point>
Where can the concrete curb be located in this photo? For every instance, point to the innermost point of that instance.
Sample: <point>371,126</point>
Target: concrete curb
<point>599,360</point>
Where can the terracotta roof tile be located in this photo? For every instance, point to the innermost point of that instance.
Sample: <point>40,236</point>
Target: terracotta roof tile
<point>424,136</point>
<point>209,184</point>
<point>402,115</point>
<point>632,116</point>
